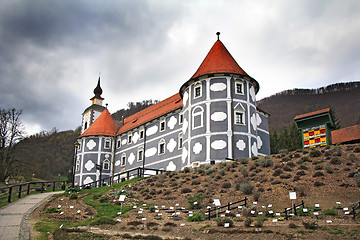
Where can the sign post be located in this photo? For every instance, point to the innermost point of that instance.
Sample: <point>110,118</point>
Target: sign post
<point>121,200</point>
<point>292,196</point>
<point>217,205</point>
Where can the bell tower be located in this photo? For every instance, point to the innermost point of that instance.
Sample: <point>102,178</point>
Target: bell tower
<point>93,112</point>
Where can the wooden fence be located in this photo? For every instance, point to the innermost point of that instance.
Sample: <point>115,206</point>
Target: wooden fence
<point>18,189</point>
<point>228,207</point>
<point>293,208</point>
<point>354,210</point>
<point>136,172</point>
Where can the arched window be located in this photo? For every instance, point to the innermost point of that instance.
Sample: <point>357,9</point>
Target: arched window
<point>197,117</point>
<point>106,164</point>
<point>123,159</point>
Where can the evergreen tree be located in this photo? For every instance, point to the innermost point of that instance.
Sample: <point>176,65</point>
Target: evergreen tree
<point>335,118</point>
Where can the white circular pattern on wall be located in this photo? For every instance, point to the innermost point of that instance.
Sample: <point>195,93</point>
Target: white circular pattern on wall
<point>184,154</point>
<point>107,156</point>
<point>87,180</point>
<point>218,116</point>
<point>185,98</point>
<point>150,152</point>
<point>259,142</point>
<point>254,149</point>
<point>131,158</point>
<point>197,148</point>
<point>258,119</point>
<point>252,93</point>
<point>171,166</point>
<point>91,144</point>
<point>241,145</point>
<point>172,122</point>
<point>124,141</point>
<point>171,145</point>
<point>117,163</point>
<point>216,87</point>
<point>135,137</point>
<point>218,144</point>
<point>89,165</point>
<point>152,130</point>
<point>253,122</point>
<point>185,125</point>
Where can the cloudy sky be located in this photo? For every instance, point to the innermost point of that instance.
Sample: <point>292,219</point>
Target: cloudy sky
<point>51,52</point>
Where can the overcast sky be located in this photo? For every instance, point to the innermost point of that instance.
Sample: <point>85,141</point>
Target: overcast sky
<point>51,52</point>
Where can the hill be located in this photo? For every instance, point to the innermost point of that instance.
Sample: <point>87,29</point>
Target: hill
<point>344,98</point>
<point>164,205</point>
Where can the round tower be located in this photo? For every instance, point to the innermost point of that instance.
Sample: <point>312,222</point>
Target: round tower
<point>219,111</point>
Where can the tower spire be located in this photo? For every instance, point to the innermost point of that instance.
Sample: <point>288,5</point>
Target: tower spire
<point>98,90</point>
<point>218,36</point>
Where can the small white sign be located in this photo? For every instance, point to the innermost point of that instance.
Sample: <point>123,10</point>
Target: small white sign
<point>182,224</point>
<point>134,207</point>
<point>144,219</point>
<point>238,215</point>
<point>61,213</point>
<point>177,213</point>
<point>222,215</point>
<point>328,221</point>
<point>157,210</point>
<point>252,212</point>
<point>263,206</point>
<point>140,212</point>
<point>171,208</point>
<point>338,203</point>
<point>163,206</point>
<point>271,212</point>
<point>71,206</point>
<point>195,203</point>
<point>119,220</point>
<point>347,213</point>
<point>240,207</point>
<point>227,211</point>
<point>305,210</point>
<point>208,207</point>
<point>346,209</point>
<point>190,215</point>
<point>274,220</point>
<point>155,206</point>
<point>59,206</point>
<point>316,213</point>
<point>206,213</point>
<point>78,211</point>
<point>254,203</point>
<point>270,205</point>
<point>119,213</point>
<point>260,213</point>
<point>176,205</point>
<point>292,195</point>
<point>277,214</point>
<point>217,202</point>
<point>317,205</point>
<point>226,225</point>
<point>190,211</point>
<point>159,214</point>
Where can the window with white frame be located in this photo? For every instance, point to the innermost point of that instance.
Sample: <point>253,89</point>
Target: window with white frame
<point>129,138</point>
<point>140,154</point>
<point>107,143</point>
<point>106,164</point>
<point>123,159</point>
<point>161,147</point>
<point>197,91</point>
<point>79,146</point>
<point>239,117</point>
<point>77,168</point>
<point>141,132</point>
<point>162,124</point>
<point>118,143</point>
<point>197,117</point>
<point>239,87</point>
<point>180,141</point>
<point>181,118</point>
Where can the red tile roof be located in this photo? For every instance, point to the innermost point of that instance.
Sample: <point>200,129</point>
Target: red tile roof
<point>312,113</point>
<point>157,110</point>
<point>345,134</point>
<point>103,125</point>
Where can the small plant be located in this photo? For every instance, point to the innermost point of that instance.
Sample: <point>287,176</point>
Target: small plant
<point>283,151</point>
<point>196,217</point>
<point>243,160</point>
<point>185,190</point>
<point>226,185</point>
<point>319,167</point>
<point>247,222</point>
<point>357,178</point>
<point>287,168</point>
<point>195,201</point>
<point>259,223</point>
<point>285,176</point>
<point>318,174</point>
<point>293,225</point>
<point>266,162</point>
<point>244,172</point>
<point>221,222</point>
<point>335,161</point>
<point>210,170</point>
<point>277,172</point>
<point>73,196</point>
<point>329,169</point>
<point>329,211</point>
<point>103,221</point>
<point>52,210</point>
<point>318,184</point>
<point>256,195</point>
<point>151,225</point>
<point>315,153</point>
<point>246,187</point>
<point>352,157</point>
<point>310,225</point>
<point>169,224</point>
<point>103,200</point>
<point>301,173</point>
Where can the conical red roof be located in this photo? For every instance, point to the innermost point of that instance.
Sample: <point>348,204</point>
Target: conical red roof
<point>103,125</point>
<point>218,60</point>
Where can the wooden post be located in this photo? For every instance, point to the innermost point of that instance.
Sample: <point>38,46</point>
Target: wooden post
<point>209,213</point>
<point>286,216</point>
<point>10,192</point>
<point>229,206</point>
<point>28,189</point>
<point>245,201</point>
<point>42,187</point>
<point>53,186</point>
<point>127,175</point>
<point>294,206</point>
<point>20,191</point>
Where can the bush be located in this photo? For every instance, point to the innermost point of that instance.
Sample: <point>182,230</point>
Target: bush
<point>52,210</point>
<point>169,224</point>
<point>285,176</point>
<point>329,211</point>
<point>318,184</point>
<point>310,225</point>
<point>301,173</point>
<point>73,196</point>
<point>335,161</point>
<point>329,169</point>
<point>266,162</point>
<point>315,153</point>
<point>357,178</point>
<point>283,151</point>
<point>300,190</point>
<point>221,222</point>
<point>256,195</point>
<point>186,170</point>
<point>293,225</point>
<point>221,172</point>
<point>196,217</point>
<point>303,167</point>
<point>185,190</point>
<point>103,220</point>
<point>246,188</point>
<point>287,168</point>
<point>259,223</point>
<point>243,160</point>
<point>318,174</point>
<point>247,222</point>
<point>226,185</point>
<point>243,172</point>
<point>209,171</point>
<point>151,224</point>
<point>318,167</point>
<point>198,198</point>
<point>277,172</point>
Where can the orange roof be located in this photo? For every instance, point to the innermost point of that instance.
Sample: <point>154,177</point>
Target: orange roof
<point>157,110</point>
<point>218,60</point>
<point>103,125</point>
<point>312,113</point>
<point>345,134</point>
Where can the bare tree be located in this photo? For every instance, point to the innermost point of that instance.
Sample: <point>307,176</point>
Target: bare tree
<point>11,132</point>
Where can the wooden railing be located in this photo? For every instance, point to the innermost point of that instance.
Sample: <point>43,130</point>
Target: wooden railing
<point>293,208</point>
<point>136,172</point>
<point>27,187</point>
<point>354,210</point>
<point>228,207</point>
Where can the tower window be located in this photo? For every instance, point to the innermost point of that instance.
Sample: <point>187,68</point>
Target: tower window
<point>239,118</point>
<point>180,141</point>
<point>129,138</point>
<point>197,91</point>
<point>162,125</point>
<point>118,143</point>
<point>239,87</point>
<point>85,125</point>
<point>197,117</point>
<point>161,147</point>
<point>107,143</point>
<point>141,133</point>
<point>181,118</point>
<point>123,159</point>
<point>140,154</point>
<point>106,164</point>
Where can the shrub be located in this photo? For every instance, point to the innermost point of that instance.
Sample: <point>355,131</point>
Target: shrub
<point>221,222</point>
<point>293,225</point>
<point>303,167</point>
<point>195,182</point>
<point>318,184</point>
<point>277,172</point>
<point>196,217</point>
<point>52,210</point>
<point>103,200</point>
<point>103,220</point>
<point>247,222</point>
<point>329,211</point>
<point>275,182</point>
<point>283,151</point>
<point>209,170</point>
<point>185,190</point>
<point>197,198</point>
<point>169,224</point>
<point>315,153</point>
<point>256,195</point>
<point>337,151</point>
<point>243,172</point>
<point>73,196</point>
<point>335,161</point>
<point>300,190</point>
<point>329,169</point>
<point>287,168</point>
<point>301,173</point>
<point>243,160</point>
<point>318,174</point>
<point>357,178</point>
<point>259,223</point>
<point>221,172</point>
<point>285,176</point>
<point>151,224</point>
<point>186,170</point>
<point>266,162</point>
<point>226,185</point>
<point>246,187</point>
<point>318,167</point>
<point>296,178</point>
<point>290,164</point>
<point>310,225</point>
